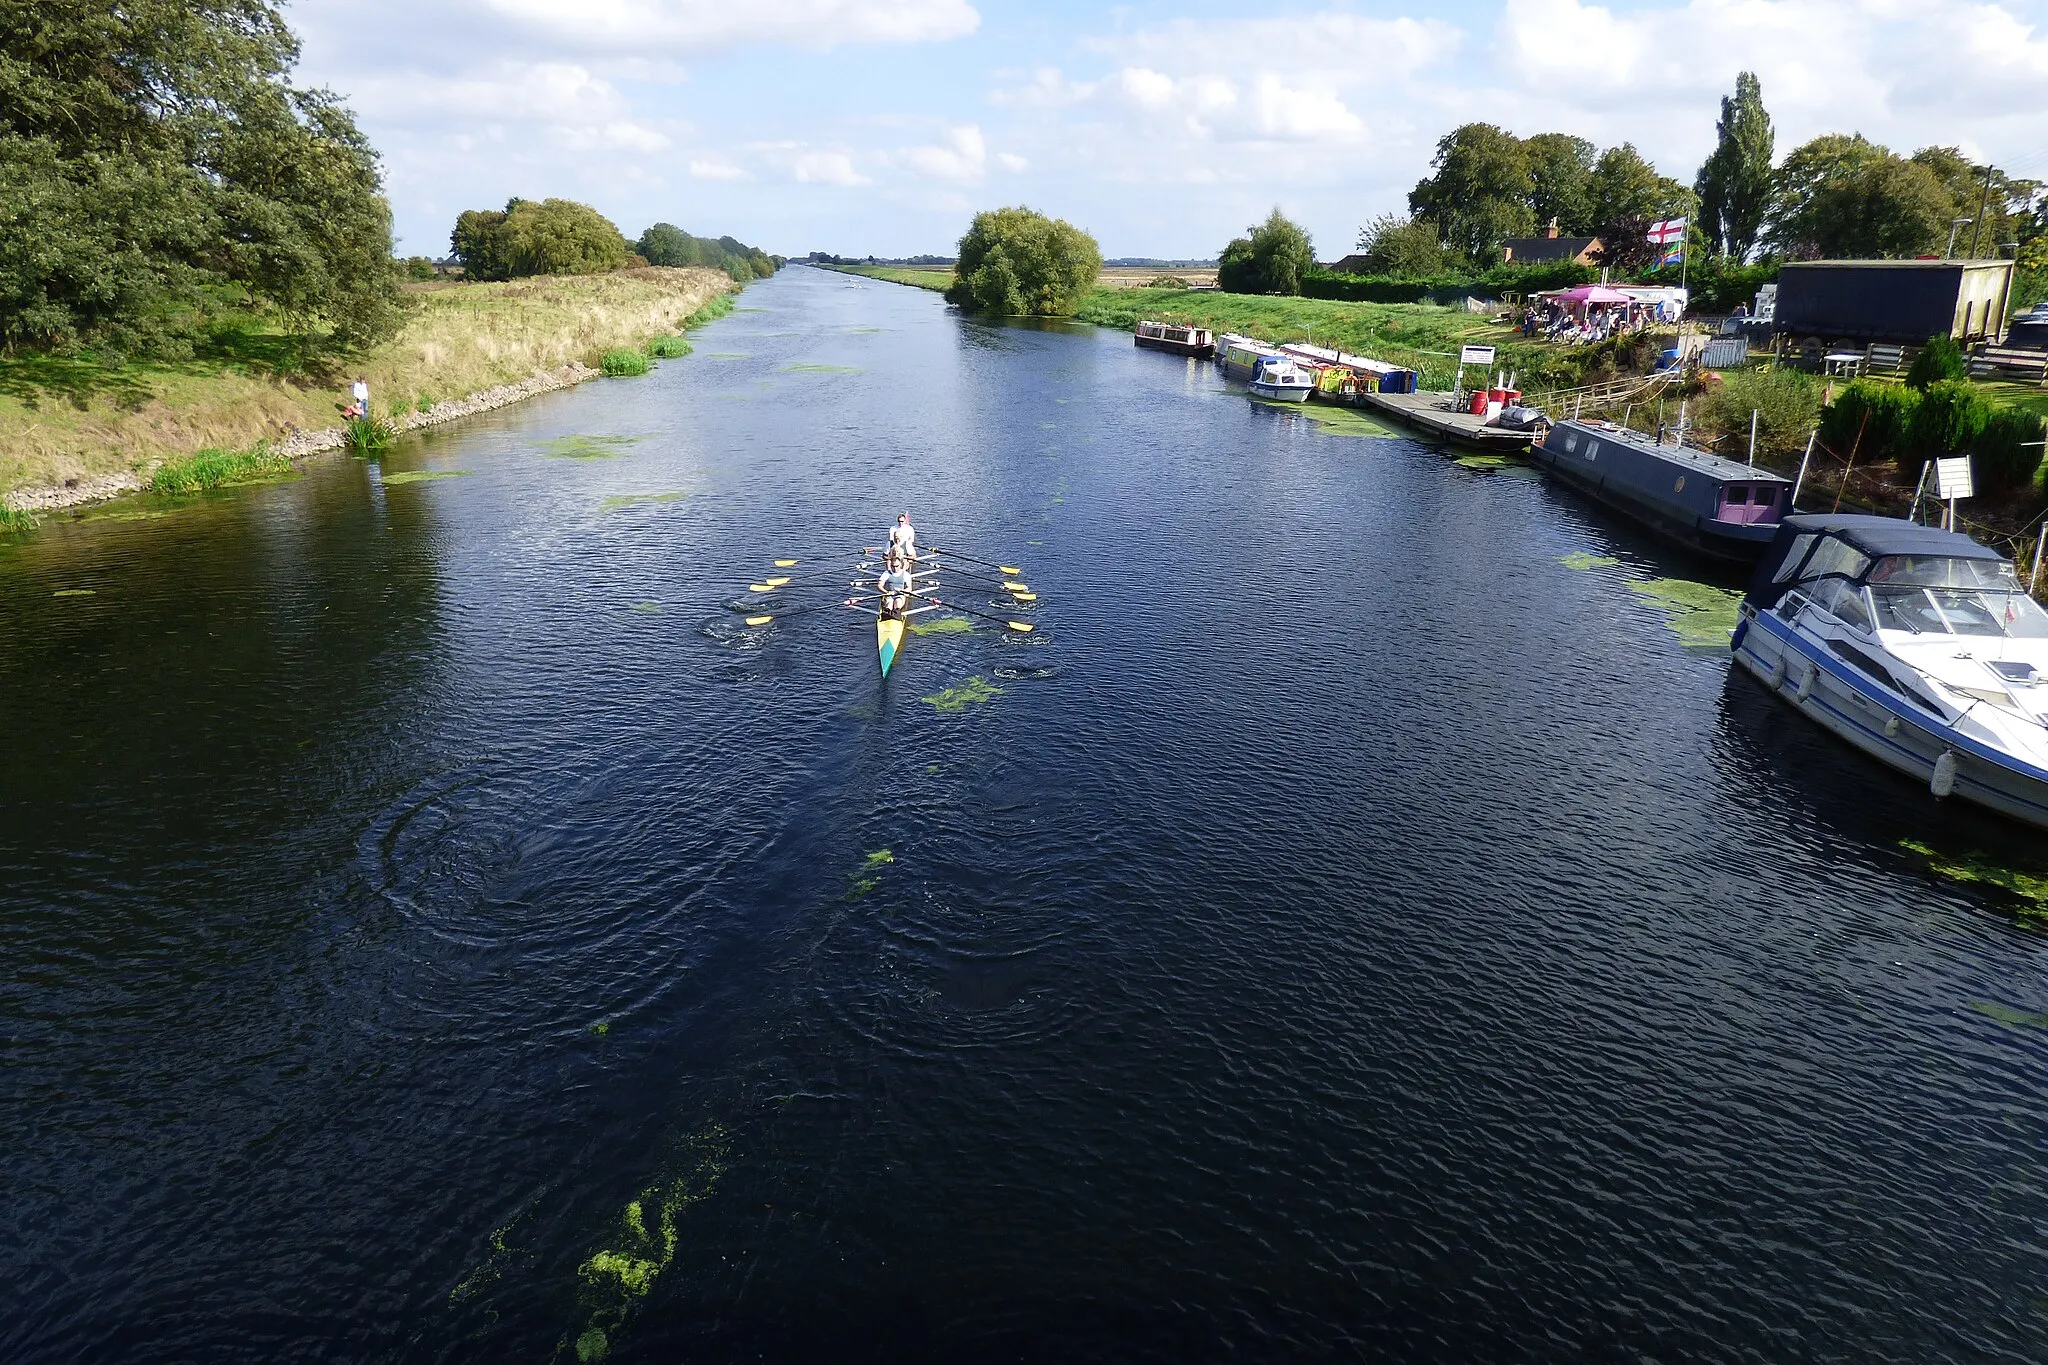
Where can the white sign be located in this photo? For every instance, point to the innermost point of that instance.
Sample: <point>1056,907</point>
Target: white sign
<point>1952,478</point>
<point>1476,355</point>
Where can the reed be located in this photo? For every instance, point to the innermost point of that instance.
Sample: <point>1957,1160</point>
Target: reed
<point>624,363</point>
<point>668,348</point>
<point>216,469</point>
<point>16,520</point>
<point>368,434</point>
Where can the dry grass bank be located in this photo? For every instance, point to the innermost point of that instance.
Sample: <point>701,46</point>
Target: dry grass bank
<point>64,420</point>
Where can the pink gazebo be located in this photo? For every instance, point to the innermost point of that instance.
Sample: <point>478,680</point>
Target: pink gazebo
<point>1593,293</point>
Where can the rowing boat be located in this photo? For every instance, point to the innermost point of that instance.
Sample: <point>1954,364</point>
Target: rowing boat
<point>888,638</point>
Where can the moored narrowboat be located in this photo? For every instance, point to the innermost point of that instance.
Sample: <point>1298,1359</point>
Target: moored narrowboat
<point>1240,356</point>
<point>1169,336</point>
<point>1709,504</point>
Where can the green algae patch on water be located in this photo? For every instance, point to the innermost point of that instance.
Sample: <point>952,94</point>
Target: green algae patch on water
<point>727,355</point>
<point>1580,560</point>
<point>945,625</point>
<point>2030,891</point>
<point>615,1277</point>
<point>966,694</point>
<point>424,475</point>
<point>588,447</point>
<point>1701,615</point>
<point>646,608</point>
<point>1487,463</point>
<point>76,592</point>
<point>868,875</point>
<point>819,369</point>
<point>1344,421</point>
<point>2006,1014</point>
<point>619,502</point>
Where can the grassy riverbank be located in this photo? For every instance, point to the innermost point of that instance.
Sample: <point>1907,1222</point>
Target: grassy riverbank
<point>75,419</point>
<point>923,277</point>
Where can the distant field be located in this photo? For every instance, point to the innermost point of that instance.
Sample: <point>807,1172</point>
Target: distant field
<point>1113,277</point>
<point>923,277</point>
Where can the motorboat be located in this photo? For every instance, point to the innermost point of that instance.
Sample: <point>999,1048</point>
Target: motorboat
<point>1717,506</point>
<point>1283,379</point>
<point>1919,646</point>
<point>1171,336</point>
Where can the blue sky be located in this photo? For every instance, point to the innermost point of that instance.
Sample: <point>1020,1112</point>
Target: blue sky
<point>880,126</point>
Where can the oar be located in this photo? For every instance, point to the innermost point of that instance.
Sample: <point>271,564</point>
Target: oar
<point>1006,568</point>
<point>990,579</point>
<point>798,611</point>
<point>1022,626</point>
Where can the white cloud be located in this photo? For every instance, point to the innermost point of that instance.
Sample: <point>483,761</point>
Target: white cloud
<point>1010,161</point>
<point>499,92</point>
<point>825,168</point>
<point>716,170</point>
<point>964,158</point>
<point>698,26</point>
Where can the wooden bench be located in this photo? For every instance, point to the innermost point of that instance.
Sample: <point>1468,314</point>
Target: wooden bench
<point>2008,362</point>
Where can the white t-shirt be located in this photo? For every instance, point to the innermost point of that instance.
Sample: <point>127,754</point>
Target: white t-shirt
<point>903,539</point>
<point>361,392</point>
<point>894,580</point>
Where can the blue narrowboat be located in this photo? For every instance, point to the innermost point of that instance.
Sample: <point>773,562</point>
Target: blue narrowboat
<point>1709,504</point>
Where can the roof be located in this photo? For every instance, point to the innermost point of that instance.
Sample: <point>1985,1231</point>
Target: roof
<point>1683,457</point>
<point>1879,536</point>
<point>1548,248</point>
<point>1354,264</point>
<point>1953,264</point>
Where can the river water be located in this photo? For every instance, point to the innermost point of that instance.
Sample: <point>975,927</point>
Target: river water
<point>436,929</point>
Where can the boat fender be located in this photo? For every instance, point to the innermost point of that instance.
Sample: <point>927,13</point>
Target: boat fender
<point>1805,687</point>
<point>1944,779</point>
<point>1891,727</point>
<point>1776,676</point>
<point>1741,629</point>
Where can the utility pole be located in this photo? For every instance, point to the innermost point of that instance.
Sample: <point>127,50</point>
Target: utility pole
<point>1948,252</point>
<point>1982,204</point>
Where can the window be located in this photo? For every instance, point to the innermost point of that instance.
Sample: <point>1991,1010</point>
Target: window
<point>1793,558</point>
<point>1845,600</point>
<point>1834,557</point>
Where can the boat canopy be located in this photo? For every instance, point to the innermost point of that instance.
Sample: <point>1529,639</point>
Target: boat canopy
<point>1811,546</point>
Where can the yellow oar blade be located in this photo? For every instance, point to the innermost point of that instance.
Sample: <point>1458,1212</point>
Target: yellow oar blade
<point>1025,596</point>
<point>759,620</point>
<point>1018,625</point>
<point>776,582</point>
<point>785,563</point>
<point>1016,587</point>
<point>760,587</point>
<point>1005,568</point>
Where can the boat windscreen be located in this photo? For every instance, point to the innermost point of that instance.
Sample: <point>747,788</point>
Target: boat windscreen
<point>2001,608</point>
<point>1942,571</point>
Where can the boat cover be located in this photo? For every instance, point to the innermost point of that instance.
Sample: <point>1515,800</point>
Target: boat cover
<point>1874,536</point>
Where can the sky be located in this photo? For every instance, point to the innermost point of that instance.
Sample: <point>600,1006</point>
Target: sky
<point>880,126</point>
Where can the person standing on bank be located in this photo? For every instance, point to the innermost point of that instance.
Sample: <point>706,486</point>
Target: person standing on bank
<point>360,391</point>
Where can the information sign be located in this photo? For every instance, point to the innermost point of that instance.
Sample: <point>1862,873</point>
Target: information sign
<point>1476,355</point>
<point>1952,479</point>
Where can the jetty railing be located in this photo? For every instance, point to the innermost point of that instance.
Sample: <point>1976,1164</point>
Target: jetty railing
<point>1634,388</point>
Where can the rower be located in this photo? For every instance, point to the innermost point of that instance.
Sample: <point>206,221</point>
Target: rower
<point>903,539</point>
<point>894,585</point>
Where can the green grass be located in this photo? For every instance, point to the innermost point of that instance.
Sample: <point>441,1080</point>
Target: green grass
<point>668,348</point>
<point>712,311</point>
<point>923,277</point>
<point>14,521</point>
<point>624,364</point>
<point>2026,397</point>
<point>216,469</point>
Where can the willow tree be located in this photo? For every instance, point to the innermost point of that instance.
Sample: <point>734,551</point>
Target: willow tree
<point>1015,262</point>
<point>1734,185</point>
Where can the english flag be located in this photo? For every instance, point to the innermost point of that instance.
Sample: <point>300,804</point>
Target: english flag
<point>1667,231</point>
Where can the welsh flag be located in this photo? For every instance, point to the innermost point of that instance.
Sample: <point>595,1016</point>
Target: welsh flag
<point>1666,231</point>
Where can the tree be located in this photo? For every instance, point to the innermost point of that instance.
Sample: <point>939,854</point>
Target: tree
<point>667,244</point>
<point>1998,206</point>
<point>1843,196</point>
<point>1627,195</point>
<point>552,237</point>
<point>1560,175</point>
<point>1734,185</point>
<point>1015,262</point>
<point>1270,258</point>
<point>156,164</point>
<point>1478,192</point>
<point>1398,245</point>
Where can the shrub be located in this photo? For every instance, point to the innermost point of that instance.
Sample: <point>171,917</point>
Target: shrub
<point>624,363</point>
<point>668,348</point>
<point>1166,282</point>
<point>1270,259</point>
<point>423,403</point>
<point>1879,412</point>
<point>368,433</point>
<point>1949,418</point>
<point>1016,262</point>
<point>1786,403</point>
<point>2008,451</point>
<point>1939,359</point>
<point>553,237</point>
<point>15,520</point>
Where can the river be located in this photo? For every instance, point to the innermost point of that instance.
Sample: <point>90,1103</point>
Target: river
<point>1353,924</point>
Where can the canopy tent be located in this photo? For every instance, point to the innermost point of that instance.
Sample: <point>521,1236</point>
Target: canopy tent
<point>1594,293</point>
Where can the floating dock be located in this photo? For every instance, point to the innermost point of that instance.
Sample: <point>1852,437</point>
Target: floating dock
<point>1432,412</point>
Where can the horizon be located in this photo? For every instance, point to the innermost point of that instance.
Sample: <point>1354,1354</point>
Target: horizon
<point>859,127</point>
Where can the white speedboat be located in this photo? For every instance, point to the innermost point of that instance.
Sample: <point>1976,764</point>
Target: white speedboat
<point>1919,646</point>
<point>1283,378</point>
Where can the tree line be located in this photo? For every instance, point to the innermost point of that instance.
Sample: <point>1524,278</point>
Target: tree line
<point>1834,196</point>
<point>562,237</point>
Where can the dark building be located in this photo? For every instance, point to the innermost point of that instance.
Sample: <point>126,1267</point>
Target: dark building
<point>1550,249</point>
